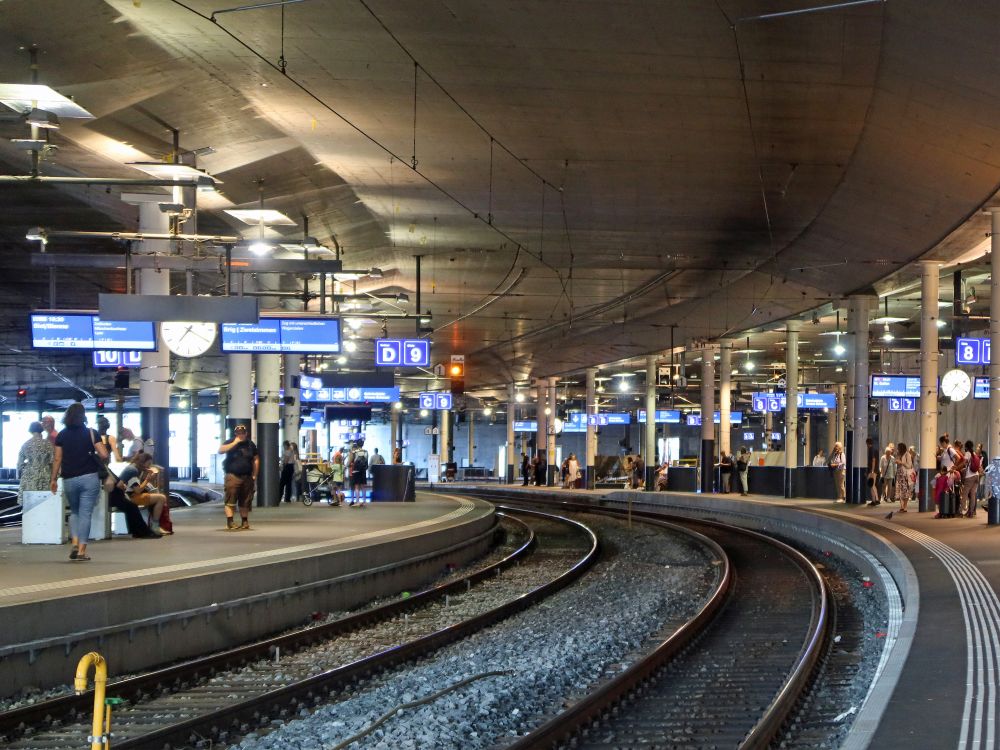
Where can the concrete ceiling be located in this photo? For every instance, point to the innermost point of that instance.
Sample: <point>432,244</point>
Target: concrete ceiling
<point>590,176</point>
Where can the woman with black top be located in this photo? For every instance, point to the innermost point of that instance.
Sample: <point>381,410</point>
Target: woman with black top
<point>79,456</point>
<point>286,483</point>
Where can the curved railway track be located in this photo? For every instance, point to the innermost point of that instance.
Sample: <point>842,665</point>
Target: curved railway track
<point>731,677</point>
<point>215,715</point>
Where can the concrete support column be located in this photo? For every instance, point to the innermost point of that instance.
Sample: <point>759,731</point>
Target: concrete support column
<point>540,431</point>
<point>154,375</point>
<point>268,415</point>
<point>591,444</point>
<point>240,389</point>
<point>929,356</point>
<point>649,442</point>
<point>792,328</point>
<point>550,429</point>
<point>725,396</point>
<point>707,425</point>
<point>831,428</point>
<point>858,315</point>
<point>291,406</point>
<point>994,437</point>
<point>513,460</point>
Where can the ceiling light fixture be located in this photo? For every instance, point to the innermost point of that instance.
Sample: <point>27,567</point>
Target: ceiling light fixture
<point>519,397</point>
<point>487,411</point>
<point>748,365</point>
<point>350,346</point>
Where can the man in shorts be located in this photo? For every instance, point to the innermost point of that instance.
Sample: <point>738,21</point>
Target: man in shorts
<point>241,465</point>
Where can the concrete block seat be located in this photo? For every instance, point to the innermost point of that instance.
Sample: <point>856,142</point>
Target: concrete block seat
<point>145,602</point>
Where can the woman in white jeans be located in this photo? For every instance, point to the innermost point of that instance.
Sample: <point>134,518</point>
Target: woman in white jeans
<point>78,458</point>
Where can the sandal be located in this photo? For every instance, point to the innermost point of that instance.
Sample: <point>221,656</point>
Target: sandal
<point>82,558</point>
<point>74,554</point>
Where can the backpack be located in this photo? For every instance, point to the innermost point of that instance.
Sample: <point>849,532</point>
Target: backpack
<point>360,462</point>
<point>976,464</point>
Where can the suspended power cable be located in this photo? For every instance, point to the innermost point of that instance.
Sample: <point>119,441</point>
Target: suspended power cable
<point>372,139</point>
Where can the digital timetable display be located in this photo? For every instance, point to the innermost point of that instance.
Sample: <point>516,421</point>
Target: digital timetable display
<point>895,386</point>
<point>84,331</point>
<point>283,336</point>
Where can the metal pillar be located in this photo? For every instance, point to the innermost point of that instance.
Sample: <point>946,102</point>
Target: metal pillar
<point>445,437</point>
<point>193,435</point>
<point>550,429</point>
<point>223,413</point>
<point>840,423</point>
<point>858,314</point>
<point>994,437</point>
<point>471,418</point>
<point>591,444</point>
<point>929,356</point>
<point>291,406</point>
<point>792,328</point>
<point>513,460</point>
<point>725,396</point>
<point>154,375</point>
<point>707,423</point>
<point>649,442</point>
<point>268,414</point>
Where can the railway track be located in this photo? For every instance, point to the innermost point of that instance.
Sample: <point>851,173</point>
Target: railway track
<point>199,703</point>
<point>731,677</point>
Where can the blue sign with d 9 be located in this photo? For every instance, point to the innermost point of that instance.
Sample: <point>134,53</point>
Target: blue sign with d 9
<point>402,353</point>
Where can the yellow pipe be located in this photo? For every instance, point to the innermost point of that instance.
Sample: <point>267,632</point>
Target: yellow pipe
<point>98,730</point>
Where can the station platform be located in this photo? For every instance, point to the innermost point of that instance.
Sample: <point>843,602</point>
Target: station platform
<point>143,602</point>
<point>943,686</point>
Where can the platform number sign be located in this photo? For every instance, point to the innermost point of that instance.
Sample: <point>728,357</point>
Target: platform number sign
<point>435,400</point>
<point>402,353</point>
<point>902,404</point>
<point>972,351</point>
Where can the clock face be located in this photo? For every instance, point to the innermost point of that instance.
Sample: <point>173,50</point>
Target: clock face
<point>188,339</point>
<point>956,385</point>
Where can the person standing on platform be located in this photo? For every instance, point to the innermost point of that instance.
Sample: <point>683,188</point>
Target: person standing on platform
<point>970,480</point>
<point>743,470</point>
<point>377,459</point>
<point>572,472</point>
<point>358,465</point>
<point>904,476</point>
<point>134,444</point>
<point>79,454</point>
<point>726,472</point>
<point>872,472</point>
<point>525,469</point>
<point>49,425</point>
<point>540,470</point>
<point>887,466</point>
<point>839,472</point>
<point>242,463</point>
<point>397,455</point>
<point>34,461</point>
<point>337,479</point>
<point>820,458</point>
<point>287,480</point>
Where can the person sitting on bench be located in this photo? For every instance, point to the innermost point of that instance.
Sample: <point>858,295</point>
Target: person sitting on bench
<point>135,481</point>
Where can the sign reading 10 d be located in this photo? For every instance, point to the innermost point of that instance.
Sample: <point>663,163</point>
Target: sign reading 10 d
<point>402,353</point>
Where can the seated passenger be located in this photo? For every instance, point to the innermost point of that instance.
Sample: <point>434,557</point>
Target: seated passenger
<point>134,522</point>
<point>135,481</point>
<point>661,477</point>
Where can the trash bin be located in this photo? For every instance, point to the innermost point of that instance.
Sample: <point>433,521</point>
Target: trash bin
<point>993,511</point>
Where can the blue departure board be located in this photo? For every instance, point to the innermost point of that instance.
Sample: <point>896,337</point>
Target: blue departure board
<point>309,335</point>
<point>85,331</point>
<point>264,336</point>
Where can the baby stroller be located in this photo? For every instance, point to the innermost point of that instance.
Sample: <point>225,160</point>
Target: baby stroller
<point>319,485</point>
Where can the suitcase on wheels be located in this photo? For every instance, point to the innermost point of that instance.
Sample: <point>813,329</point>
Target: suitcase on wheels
<point>948,505</point>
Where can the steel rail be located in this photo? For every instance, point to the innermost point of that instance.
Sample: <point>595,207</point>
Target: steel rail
<point>258,710</point>
<point>767,728</point>
<point>133,688</point>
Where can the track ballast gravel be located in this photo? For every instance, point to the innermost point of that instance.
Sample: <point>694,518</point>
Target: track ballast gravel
<point>550,654</point>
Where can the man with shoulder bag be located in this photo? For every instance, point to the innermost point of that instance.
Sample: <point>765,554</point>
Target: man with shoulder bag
<point>242,463</point>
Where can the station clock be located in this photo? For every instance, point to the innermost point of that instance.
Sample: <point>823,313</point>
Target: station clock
<point>188,339</point>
